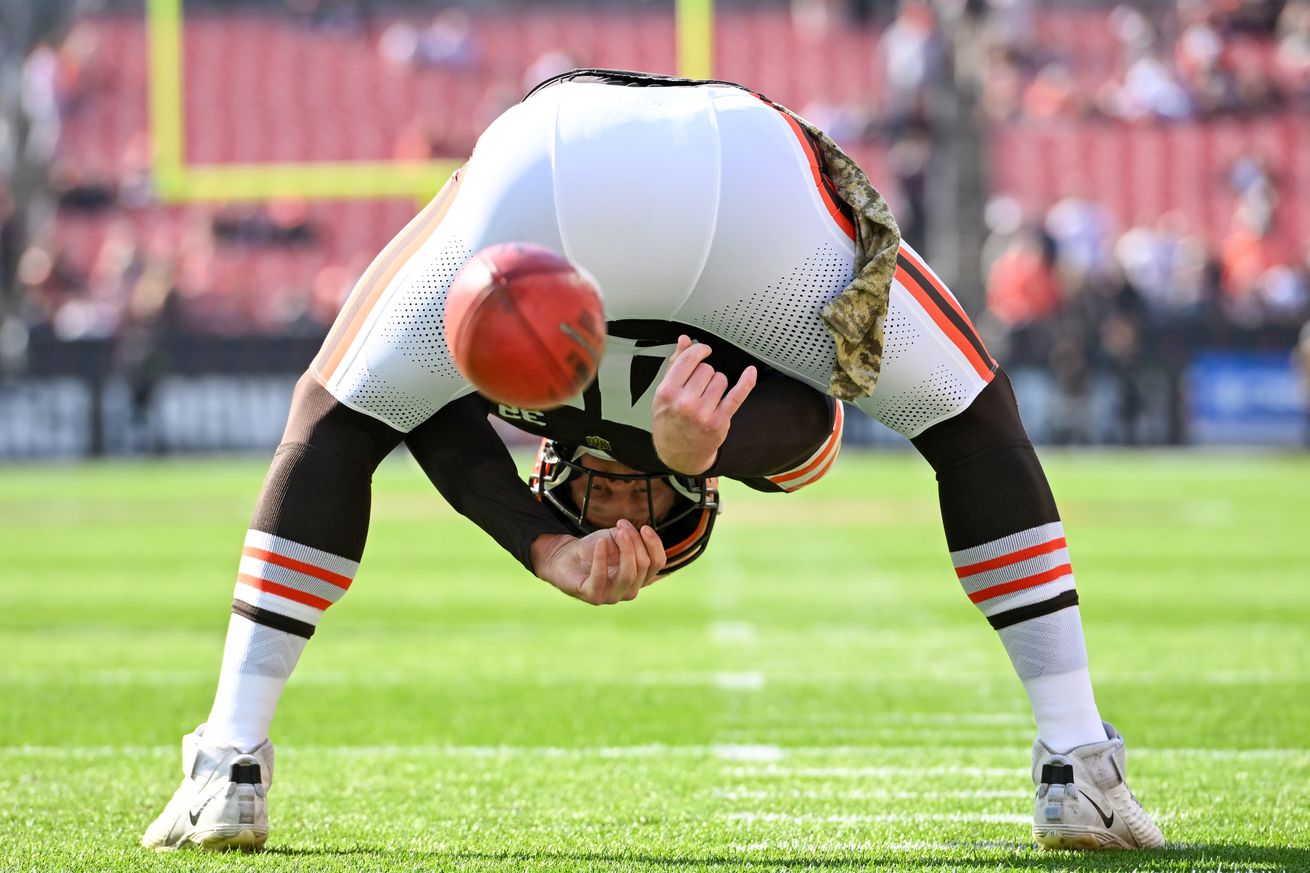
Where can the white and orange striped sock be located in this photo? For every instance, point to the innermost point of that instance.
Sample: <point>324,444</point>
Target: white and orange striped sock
<point>1024,585</point>
<point>282,590</point>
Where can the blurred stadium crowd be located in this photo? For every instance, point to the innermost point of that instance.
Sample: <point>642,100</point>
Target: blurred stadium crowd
<point>1142,171</point>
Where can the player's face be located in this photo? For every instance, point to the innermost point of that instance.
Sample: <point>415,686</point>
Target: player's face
<point>613,499</point>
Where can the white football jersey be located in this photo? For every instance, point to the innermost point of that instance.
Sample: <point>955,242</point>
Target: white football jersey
<point>701,205</point>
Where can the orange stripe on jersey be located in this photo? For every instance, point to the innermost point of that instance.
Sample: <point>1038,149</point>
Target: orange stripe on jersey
<point>342,582</point>
<point>1020,584</point>
<point>673,551</point>
<point>922,266</point>
<point>823,472</point>
<point>823,457</point>
<point>283,591</point>
<point>1012,558</point>
<point>378,276</point>
<point>909,254</point>
<point>944,323</point>
<point>807,146</point>
<point>926,271</point>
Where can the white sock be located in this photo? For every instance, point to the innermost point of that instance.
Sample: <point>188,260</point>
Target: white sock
<point>257,661</point>
<point>1024,584</point>
<point>1065,709</point>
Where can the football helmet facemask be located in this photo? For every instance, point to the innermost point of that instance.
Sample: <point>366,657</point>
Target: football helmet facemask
<point>685,529</point>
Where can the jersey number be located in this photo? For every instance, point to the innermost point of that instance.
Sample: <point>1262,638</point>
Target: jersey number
<point>527,416</point>
<point>612,396</point>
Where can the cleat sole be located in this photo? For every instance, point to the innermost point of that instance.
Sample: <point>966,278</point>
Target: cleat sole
<point>1070,838</point>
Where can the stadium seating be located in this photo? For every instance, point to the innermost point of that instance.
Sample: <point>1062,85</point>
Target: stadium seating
<point>261,88</point>
<point>1141,171</point>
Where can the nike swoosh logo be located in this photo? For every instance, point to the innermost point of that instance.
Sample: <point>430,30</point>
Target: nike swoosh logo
<point>1109,820</point>
<point>195,816</point>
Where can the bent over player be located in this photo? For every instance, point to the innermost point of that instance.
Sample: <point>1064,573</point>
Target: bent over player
<point>706,213</point>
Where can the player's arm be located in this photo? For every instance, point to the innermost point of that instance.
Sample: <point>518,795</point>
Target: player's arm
<point>465,459</point>
<point>767,430</point>
<point>468,463</point>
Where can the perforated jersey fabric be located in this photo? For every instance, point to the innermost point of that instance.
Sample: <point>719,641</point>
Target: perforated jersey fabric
<point>925,378</point>
<point>366,391</point>
<point>937,396</point>
<point>783,319</point>
<point>698,206</point>
<point>416,325</point>
<point>901,336</point>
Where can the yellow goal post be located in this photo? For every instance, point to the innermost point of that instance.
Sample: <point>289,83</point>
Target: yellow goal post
<point>176,181</point>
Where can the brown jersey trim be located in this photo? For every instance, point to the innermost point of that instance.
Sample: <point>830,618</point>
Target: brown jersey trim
<point>945,312</point>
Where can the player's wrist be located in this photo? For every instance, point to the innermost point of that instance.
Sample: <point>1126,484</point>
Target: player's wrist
<point>693,466</point>
<point>681,458</point>
<point>687,463</point>
<point>545,549</point>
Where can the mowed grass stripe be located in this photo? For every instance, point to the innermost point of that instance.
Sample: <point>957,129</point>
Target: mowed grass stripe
<point>1297,757</point>
<point>816,692</point>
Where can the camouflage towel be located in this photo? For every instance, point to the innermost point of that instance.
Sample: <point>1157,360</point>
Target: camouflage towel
<point>855,317</point>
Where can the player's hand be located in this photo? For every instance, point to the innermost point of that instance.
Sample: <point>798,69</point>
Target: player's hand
<point>605,566</point>
<point>693,408</point>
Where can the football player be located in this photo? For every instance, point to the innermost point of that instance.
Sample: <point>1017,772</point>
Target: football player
<point>751,272</point>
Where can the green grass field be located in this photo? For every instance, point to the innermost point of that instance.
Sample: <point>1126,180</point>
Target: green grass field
<point>814,693</point>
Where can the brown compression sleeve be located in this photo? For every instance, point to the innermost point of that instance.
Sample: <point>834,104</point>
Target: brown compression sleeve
<point>318,488</point>
<point>469,464</point>
<point>989,481</point>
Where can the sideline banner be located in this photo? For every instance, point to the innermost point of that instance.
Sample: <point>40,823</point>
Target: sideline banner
<point>1252,398</point>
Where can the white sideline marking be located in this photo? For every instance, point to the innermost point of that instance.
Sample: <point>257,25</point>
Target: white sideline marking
<point>915,719</point>
<point>872,735</point>
<point>1295,755</point>
<point>739,681</point>
<point>867,772</point>
<point>827,793</point>
<point>748,753</point>
<point>882,817</point>
<point>722,679</point>
<point>398,678</point>
<point>724,752</point>
<point>658,679</point>
<point>1208,677</point>
<point>732,632</point>
<point>931,718</point>
<point>932,755</point>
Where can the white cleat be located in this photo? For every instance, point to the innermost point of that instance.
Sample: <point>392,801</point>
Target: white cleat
<point>1083,801</point>
<point>222,803</point>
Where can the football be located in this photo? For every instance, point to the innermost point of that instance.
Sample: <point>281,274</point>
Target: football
<point>525,325</point>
